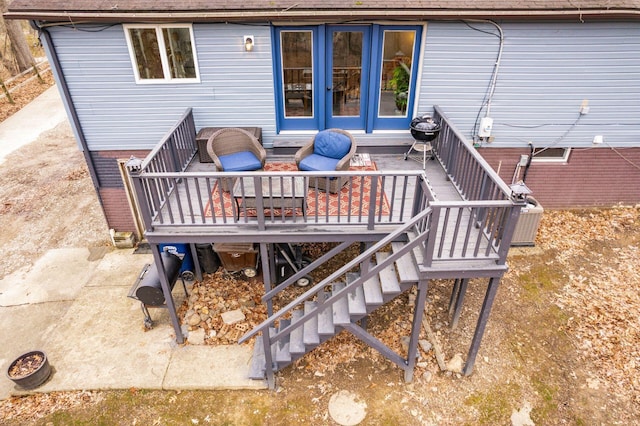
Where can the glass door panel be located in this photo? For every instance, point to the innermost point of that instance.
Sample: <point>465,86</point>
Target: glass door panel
<point>297,73</point>
<point>347,73</point>
<point>396,74</point>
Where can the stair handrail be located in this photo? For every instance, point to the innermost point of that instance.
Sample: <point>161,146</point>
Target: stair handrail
<point>367,254</point>
<point>343,292</point>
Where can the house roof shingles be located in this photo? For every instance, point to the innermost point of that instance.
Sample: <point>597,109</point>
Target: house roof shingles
<point>260,10</point>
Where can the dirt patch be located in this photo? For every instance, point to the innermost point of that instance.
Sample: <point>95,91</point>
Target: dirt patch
<point>47,201</point>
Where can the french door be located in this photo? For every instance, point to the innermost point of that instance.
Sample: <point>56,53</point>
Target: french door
<point>355,77</point>
<point>347,76</point>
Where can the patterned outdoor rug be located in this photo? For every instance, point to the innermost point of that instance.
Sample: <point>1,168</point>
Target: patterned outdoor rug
<point>338,204</point>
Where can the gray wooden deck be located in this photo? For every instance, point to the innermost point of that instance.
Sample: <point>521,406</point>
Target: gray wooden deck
<point>454,219</point>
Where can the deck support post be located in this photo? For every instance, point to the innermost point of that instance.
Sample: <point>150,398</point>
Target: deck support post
<point>166,290</point>
<point>418,314</point>
<point>266,273</point>
<point>454,293</point>
<point>268,361</point>
<point>196,262</point>
<point>459,300</point>
<point>489,297</point>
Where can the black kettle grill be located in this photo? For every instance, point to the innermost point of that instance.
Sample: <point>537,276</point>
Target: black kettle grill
<point>423,130</point>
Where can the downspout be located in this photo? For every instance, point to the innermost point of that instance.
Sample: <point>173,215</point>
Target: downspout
<point>56,68</point>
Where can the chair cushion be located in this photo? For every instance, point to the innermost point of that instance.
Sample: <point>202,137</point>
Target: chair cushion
<point>331,144</point>
<point>243,161</point>
<point>317,163</point>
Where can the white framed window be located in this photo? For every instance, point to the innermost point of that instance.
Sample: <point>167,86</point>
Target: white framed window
<point>551,155</point>
<point>162,53</point>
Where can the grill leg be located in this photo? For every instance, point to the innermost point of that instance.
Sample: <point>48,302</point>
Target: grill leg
<point>148,322</point>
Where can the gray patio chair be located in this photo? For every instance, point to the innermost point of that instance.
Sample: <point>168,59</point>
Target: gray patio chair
<point>235,150</point>
<point>329,150</point>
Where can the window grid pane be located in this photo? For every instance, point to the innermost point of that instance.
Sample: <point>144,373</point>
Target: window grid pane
<point>147,53</point>
<point>177,43</point>
<point>395,82</point>
<point>297,73</point>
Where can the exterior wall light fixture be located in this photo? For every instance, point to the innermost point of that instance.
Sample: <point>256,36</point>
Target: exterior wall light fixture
<point>248,43</point>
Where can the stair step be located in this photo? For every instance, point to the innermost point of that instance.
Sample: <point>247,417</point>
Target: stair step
<point>258,361</point>
<point>325,319</point>
<point>296,344</point>
<point>340,307</point>
<point>373,291</point>
<point>388,278</point>
<point>357,305</point>
<point>310,332</point>
<point>283,356</point>
<point>405,265</point>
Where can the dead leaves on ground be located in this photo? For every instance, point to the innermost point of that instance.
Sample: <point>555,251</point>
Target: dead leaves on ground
<point>599,253</point>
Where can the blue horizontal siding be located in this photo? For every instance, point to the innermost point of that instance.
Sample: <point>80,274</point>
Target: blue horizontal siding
<point>546,71</point>
<point>235,89</point>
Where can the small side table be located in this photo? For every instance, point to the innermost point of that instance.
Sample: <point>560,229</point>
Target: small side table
<point>291,195</point>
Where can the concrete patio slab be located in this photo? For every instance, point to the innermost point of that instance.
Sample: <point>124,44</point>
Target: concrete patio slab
<point>96,339</point>
<point>100,344</point>
<point>211,367</point>
<point>22,329</point>
<point>23,127</point>
<point>119,268</point>
<point>58,275</point>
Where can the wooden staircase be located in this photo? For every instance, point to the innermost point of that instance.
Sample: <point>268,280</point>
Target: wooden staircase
<point>343,300</point>
<point>308,326</point>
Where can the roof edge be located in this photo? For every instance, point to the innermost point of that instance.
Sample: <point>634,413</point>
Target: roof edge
<point>316,15</point>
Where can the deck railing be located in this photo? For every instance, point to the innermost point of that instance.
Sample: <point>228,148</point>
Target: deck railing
<point>480,227</point>
<point>172,154</point>
<point>189,199</point>
<point>470,173</point>
<point>489,205</point>
<point>175,150</point>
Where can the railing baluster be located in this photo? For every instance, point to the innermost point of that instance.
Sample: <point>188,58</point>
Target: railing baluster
<point>155,196</point>
<point>257,184</point>
<point>223,210</point>
<point>372,201</point>
<point>443,231</point>
<point>168,203</point>
<point>350,201</point>
<point>456,230</point>
<point>378,201</point>
<point>189,200</point>
<point>210,200</point>
<point>479,233</point>
<point>467,235</point>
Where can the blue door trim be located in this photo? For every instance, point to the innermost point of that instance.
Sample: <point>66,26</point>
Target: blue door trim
<point>296,123</point>
<point>347,122</point>
<point>322,78</point>
<point>393,123</point>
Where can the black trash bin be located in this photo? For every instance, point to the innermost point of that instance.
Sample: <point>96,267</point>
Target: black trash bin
<point>208,259</point>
